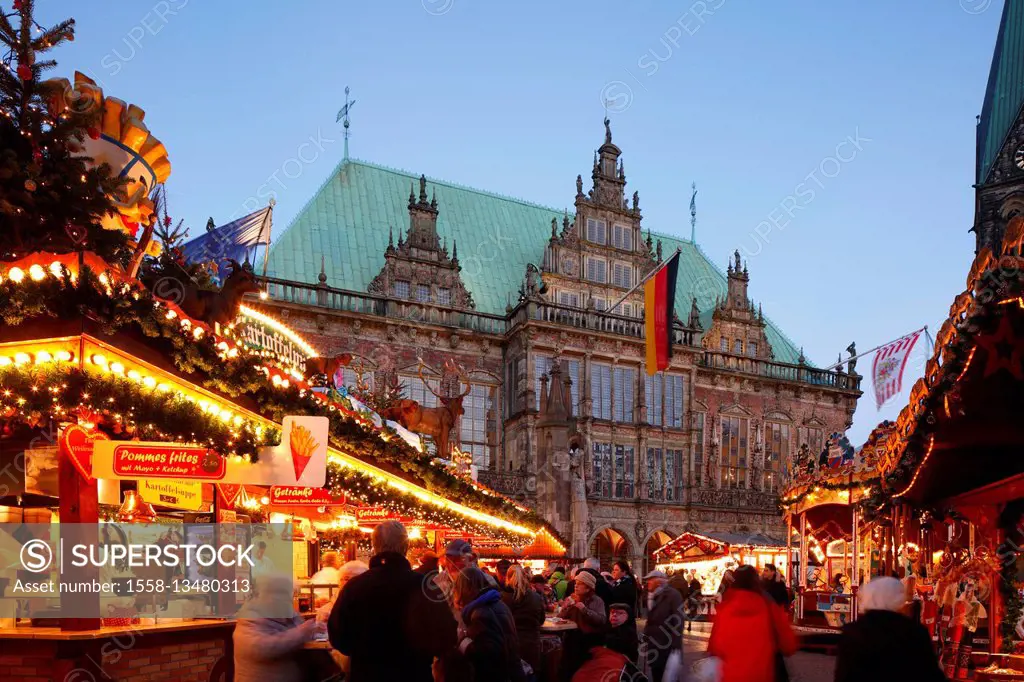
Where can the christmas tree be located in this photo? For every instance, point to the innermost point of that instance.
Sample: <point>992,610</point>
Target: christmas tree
<point>51,198</point>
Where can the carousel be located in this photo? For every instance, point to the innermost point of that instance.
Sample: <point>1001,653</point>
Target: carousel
<point>142,391</point>
<point>832,544</point>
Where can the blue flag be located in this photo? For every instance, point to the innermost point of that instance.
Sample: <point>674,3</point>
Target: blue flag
<point>230,241</point>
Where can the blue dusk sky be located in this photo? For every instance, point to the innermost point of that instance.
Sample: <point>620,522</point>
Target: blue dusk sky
<point>832,143</point>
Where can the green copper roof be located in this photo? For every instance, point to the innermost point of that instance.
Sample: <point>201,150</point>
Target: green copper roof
<point>348,220</point>
<point>1005,93</point>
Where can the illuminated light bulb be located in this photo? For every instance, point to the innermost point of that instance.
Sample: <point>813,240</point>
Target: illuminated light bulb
<point>134,375</point>
<point>263,295</point>
<point>204,406</point>
<point>36,272</point>
<point>264,500</point>
<point>4,361</point>
<point>21,358</point>
<point>232,353</point>
<point>225,415</point>
<point>171,314</point>
<point>198,332</point>
<point>117,368</point>
<point>104,280</point>
<point>64,356</point>
<point>56,270</point>
<point>100,360</point>
<point>16,275</point>
<point>163,387</point>
<point>149,382</point>
<point>238,420</point>
<point>43,356</point>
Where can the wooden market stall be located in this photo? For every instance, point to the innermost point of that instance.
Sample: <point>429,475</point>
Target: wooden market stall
<point>709,555</point>
<point>952,472</point>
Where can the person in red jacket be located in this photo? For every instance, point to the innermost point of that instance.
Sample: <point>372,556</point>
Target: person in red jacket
<point>749,630</point>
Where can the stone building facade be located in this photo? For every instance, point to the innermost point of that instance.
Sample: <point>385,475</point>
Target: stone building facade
<point>562,412</point>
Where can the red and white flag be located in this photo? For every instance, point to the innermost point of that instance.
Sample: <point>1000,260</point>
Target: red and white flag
<point>887,369</point>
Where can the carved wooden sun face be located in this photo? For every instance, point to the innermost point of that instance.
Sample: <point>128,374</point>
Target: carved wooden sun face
<point>1018,158</point>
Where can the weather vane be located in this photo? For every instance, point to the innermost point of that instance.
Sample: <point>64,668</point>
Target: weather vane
<point>343,116</point>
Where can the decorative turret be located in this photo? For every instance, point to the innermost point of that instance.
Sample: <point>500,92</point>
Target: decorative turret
<point>738,280</point>
<point>609,178</point>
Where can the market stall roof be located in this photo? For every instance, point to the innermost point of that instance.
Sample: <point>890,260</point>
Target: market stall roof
<point>698,547</point>
<point>962,428</point>
<point>138,365</point>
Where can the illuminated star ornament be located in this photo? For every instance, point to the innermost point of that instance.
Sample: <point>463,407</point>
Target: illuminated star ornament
<point>1002,351</point>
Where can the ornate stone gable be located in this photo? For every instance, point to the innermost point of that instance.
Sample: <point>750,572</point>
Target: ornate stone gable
<point>419,268</point>
<point>737,321</point>
<point>1002,194</point>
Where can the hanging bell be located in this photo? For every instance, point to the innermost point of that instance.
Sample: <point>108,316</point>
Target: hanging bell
<point>135,509</point>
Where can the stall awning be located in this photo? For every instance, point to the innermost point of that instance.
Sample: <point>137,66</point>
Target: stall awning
<point>700,547</point>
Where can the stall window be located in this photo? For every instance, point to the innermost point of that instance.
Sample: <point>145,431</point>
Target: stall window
<point>735,452</point>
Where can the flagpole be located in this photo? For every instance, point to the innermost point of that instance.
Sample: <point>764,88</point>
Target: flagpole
<point>266,247</point>
<point>656,270</point>
<point>883,345</point>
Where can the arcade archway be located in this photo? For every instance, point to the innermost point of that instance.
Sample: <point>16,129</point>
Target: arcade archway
<point>609,545</point>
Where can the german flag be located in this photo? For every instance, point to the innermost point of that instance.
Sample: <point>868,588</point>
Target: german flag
<point>659,306</point>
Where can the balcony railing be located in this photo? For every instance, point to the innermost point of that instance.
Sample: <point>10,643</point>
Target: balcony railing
<point>592,320</point>
<point>533,310</point>
<point>778,370</point>
<point>380,306</point>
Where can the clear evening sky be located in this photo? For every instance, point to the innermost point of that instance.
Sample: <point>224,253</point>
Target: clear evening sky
<point>752,100</point>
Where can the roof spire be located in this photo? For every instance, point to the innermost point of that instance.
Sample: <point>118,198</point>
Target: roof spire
<point>322,277</point>
<point>693,214</point>
<point>391,237</point>
<point>412,194</point>
<point>433,199</point>
<point>455,250</point>
<point>622,170</point>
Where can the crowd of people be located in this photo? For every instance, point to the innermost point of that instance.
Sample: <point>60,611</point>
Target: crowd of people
<point>449,619</point>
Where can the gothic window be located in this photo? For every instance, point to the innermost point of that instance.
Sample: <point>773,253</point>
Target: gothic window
<point>625,454</point>
<point>401,289</point>
<point>752,348</point>
<point>625,394</point>
<point>622,275</point>
<point>603,469</point>
<point>569,298</point>
<point>724,343</point>
<point>423,293</point>
<point>597,231</point>
<point>573,366</point>
<point>478,434</point>
<point>666,400</point>
<point>601,390</point>
<point>348,378</point>
<point>512,398</point>
<point>444,296</point>
<point>597,270</point>
<point>698,447</point>
<point>776,454</point>
<point>622,237</point>
<point>735,452</point>
<point>673,474</point>
<point>737,347</point>
<point>655,489</point>
<point>815,441</point>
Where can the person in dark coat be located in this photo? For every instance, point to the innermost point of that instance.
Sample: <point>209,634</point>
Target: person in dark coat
<point>663,632</point>
<point>527,607</point>
<point>774,587</point>
<point>428,564</point>
<point>883,645</point>
<point>624,588</point>
<point>603,589</point>
<point>693,601</point>
<point>489,643</point>
<point>622,635</point>
<point>391,621</point>
<point>501,573</point>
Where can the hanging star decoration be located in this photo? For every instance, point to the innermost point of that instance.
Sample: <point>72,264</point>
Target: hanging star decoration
<point>1003,351</point>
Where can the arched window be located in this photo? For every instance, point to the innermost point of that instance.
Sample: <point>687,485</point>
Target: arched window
<point>735,451</point>
<point>777,444</point>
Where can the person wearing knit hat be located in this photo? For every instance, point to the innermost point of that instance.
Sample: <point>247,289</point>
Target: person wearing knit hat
<point>587,610</point>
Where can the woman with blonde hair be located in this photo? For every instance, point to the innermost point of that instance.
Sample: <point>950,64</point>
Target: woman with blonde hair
<point>527,609</point>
